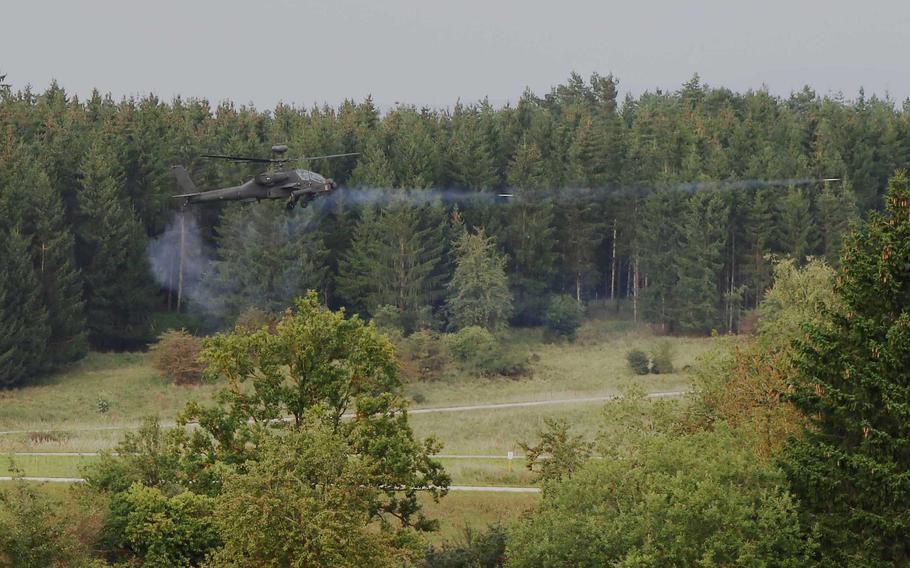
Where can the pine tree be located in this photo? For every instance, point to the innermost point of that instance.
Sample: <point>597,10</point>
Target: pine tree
<point>471,161</point>
<point>759,230</point>
<point>796,233</point>
<point>374,168</point>
<point>24,330</point>
<point>53,256</point>
<point>479,290</point>
<point>118,291</point>
<point>527,236</point>
<point>267,259</point>
<point>836,209</point>
<point>851,468</point>
<point>37,210</point>
<point>395,260</point>
<point>697,302</point>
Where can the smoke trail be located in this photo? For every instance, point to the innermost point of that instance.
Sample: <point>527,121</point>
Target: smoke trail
<point>202,291</point>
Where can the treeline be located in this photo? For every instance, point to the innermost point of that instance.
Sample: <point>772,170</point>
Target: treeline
<point>662,199</point>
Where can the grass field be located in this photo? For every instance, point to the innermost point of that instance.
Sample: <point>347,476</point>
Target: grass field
<point>62,413</point>
<point>458,510</point>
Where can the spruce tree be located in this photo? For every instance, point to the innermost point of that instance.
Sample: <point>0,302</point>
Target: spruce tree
<point>759,231</point>
<point>471,162</point>
<point>395,259</point>
<point>479,290</point>
<point>696,304</point>
<point>851,468</point>
<point>24,330</point>
<point>374,169</point>
<point>37,209</point>
<point>118,291</point>
<point>796,232</point>
<point>527,235</point>
<point>836,209</point>
<point>267,258</point>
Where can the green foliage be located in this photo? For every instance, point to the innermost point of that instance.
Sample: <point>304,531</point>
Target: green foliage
<point>478,351</point>
<point>251,275</point>
<point>307,501</point>
<point>37,211</point>
<point>23,320</point>
<point>563,316</point>
<point>118,291</point>
<point>31,533</point>
<point>689,501</point>
<point>316,358</point>
<point>176,356</point>
<point>165,531</point>
<point>558,455</point>
<point>851,470</point>
<point>396,259</point>
<point>662,358</point>
<point>638,361</point>
<point>424,354</point>
<point>798,296</point>
<point>253,319</point>
<point>479,290</point>
<point>477,549</point>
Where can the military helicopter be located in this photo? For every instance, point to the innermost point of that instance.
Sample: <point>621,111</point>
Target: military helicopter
<point>293,185</point>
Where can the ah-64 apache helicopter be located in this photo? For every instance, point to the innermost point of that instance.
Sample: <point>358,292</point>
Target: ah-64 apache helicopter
<point>289,184</point>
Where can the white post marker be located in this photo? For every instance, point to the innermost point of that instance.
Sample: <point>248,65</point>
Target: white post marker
<point>510,456</point>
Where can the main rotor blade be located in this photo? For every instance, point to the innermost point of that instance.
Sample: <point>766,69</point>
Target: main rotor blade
<point>240,158</point>
<point>321,157</point>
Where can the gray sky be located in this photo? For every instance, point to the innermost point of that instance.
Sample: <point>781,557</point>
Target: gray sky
<point>434,53</point>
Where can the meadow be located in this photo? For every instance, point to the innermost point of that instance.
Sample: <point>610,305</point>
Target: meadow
<point>88,407</point>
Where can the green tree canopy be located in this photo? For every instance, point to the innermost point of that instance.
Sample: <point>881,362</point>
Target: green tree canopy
<point>851,468</point>
<point>479,290</point>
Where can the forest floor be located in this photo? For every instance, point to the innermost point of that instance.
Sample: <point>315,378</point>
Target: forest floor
<point>64,412</point>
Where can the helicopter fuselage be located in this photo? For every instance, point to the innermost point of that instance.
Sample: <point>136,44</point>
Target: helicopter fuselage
<point>291,185</point>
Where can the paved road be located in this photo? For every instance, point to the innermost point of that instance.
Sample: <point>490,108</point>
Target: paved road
<point>461,408</point>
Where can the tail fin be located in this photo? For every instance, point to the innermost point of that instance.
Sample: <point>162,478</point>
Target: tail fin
<point>184,182</point>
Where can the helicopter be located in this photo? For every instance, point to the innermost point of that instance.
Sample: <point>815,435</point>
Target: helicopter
<point>292,185</point>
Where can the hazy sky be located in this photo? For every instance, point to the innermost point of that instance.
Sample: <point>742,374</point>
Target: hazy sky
<point>434,53</point>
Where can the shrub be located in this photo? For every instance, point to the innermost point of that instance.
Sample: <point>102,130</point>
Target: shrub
<point>477,549</point>
<point>31,534</point>
<point>176,356</point>
<point>471,344</point>
<point>424,354</point>
<point>478,351</point>
<point>695,500</point>
<point>167,531</point>
<point>662,358</point>
<point>638,361</point>
<point>387,318</point>
<point>253,319</point>
<point>563,316</point>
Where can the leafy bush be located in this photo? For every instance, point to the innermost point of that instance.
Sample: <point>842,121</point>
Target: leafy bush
<point>424,355</point>
<point>387,318</point>
<point>471,344</point>
<point>662,358</point>
<point>638,360</point>
<point>478,351</point>
<point>176,356</point>
<point>30,532</point>
<point>167,531</point>
<point>563,316</point>
<point>695,500</point>
<point>253,319</point>
<point>478,549</point>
